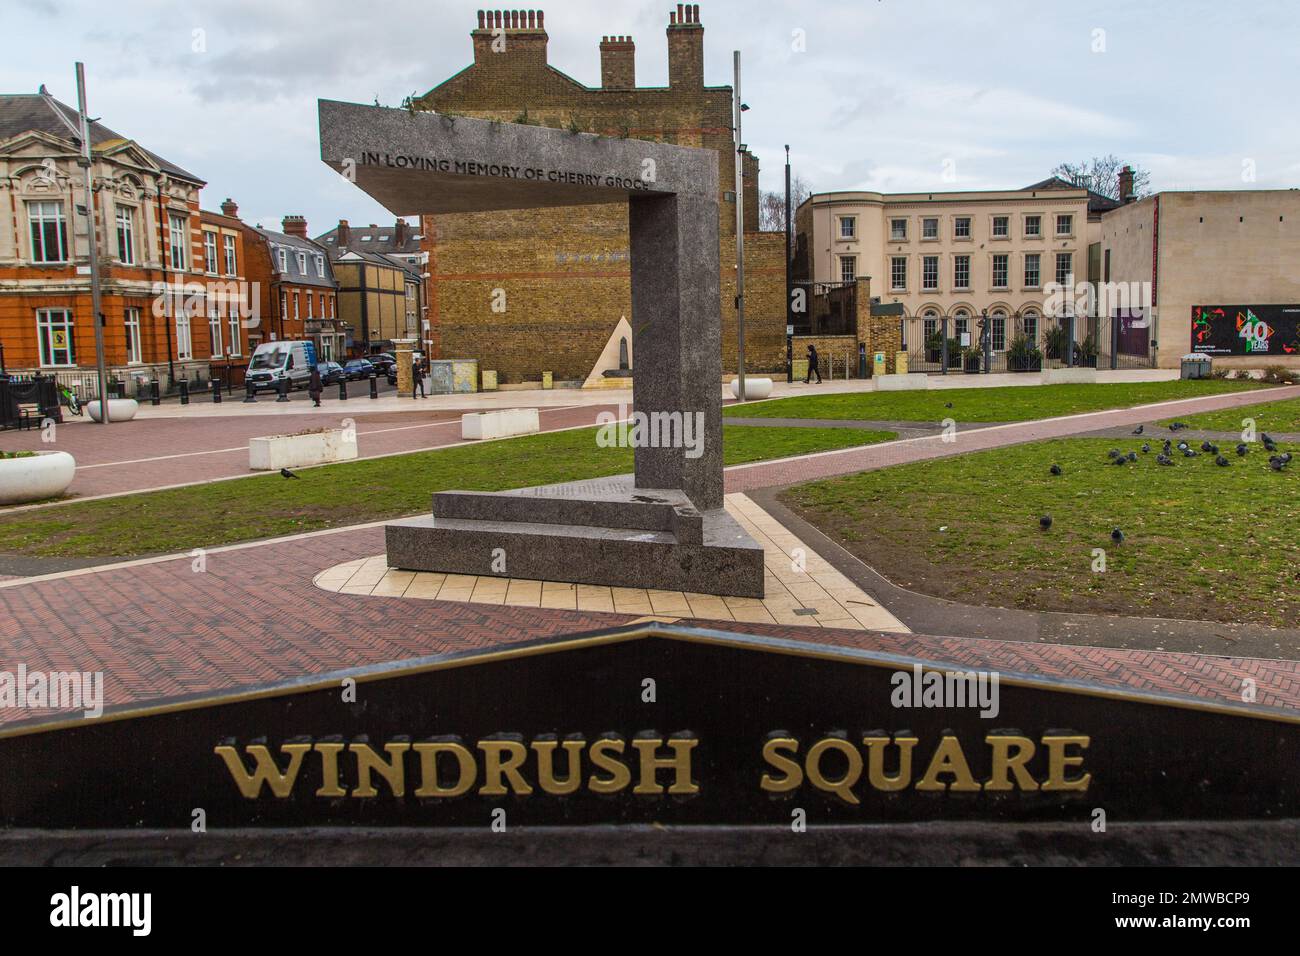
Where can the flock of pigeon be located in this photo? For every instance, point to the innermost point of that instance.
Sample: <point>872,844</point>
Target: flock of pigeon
<point>1277,461</point>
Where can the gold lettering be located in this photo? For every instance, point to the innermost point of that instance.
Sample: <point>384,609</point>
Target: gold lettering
<point>392,769</point>
<point>619,776</point>
<point>428,752</point>
<point>778,761</point>
<point>948,758</point>
<point>546,765</point>
<point>329,768</point>
<point>1004,761</point>
<point>1058,761</point>
<point>266,770</point>
<point>494,767</point>
<point>842,787</point>
<point>876,775</point>
<point>679,762</point>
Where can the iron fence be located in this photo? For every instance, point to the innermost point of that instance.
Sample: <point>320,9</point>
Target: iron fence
<point>19,393</point>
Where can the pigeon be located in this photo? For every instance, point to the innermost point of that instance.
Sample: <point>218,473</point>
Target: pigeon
<point>1270,446</point>
<point>1266,438</point>
<point>1206,446</point>
<point>1121,460</point>
<point>1168,446</point>
<point>1117,536</point>
<point>1221,461</point>
<point>1146,448</point>
<point>1164,460</point>
<point>1045,522</point>
<point>1132,456</point>
<point>1182,446</point>
<point>1188,453</point>
<point>1214,449</point>
<point>286,473</point>
<point>1113,453</point>
<point>1138,430</point>
<point>947,404</point>
<point>1286,458</point>
<point>1242,449</point>
<point>1276,463</point>
<point>1055,469</point>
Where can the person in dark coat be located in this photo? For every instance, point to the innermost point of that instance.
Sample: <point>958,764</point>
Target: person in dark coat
<point>314,387</point>
<point>812,365</point>
<point>417,376</point>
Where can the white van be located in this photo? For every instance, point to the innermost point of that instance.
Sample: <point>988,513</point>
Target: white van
<point>274,362</point>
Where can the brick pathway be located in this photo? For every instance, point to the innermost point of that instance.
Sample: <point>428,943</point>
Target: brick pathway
<point>158,629</point>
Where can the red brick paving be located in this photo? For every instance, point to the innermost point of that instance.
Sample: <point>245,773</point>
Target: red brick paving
<point>160,630</point>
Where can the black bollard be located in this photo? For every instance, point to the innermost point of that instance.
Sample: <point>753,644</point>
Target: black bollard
<point>250,395</point>
<point>154,397</point>
<point>185,391</point>
<point>283,389</point>
<point>216,391</point>
<point>343,390</point>
<point>374,384</point>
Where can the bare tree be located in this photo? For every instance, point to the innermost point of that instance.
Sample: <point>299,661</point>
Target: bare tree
<point>771,205</point>
<point>1101,175</point>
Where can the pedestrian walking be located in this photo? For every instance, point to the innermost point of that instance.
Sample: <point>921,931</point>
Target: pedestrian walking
<point>314,387</point>
<point>417,376</point>
<point>812,365</point>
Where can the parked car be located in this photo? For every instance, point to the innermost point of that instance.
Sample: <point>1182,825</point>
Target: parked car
<point>274,362</point>
<point>391,374</point>
<point>383,361</point>
<point>358,369</point>
<point>331,373</point>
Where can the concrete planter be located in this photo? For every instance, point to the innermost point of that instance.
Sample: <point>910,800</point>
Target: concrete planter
<point>907,381</point>
<point>754,388</point>
<point>119,409</point>
<point>46,474</point>
<point>499,424</point>
<point>274,452</point>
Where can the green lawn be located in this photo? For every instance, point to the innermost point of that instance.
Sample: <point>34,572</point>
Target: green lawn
<point>226,512</point>
<point>1283,416</point>
<point>1004,404</point>
<point>1203,542</point>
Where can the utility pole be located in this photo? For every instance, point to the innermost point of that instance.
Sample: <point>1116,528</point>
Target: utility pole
<point>92,238</point>
<point>738,107</point>
<point>789,311</point>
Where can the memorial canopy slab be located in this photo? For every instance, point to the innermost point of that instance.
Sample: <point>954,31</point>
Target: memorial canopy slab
<point>416,163</point>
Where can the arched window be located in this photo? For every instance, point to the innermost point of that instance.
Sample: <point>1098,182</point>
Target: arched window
<point>1031,325</point>
<point>961,323</point>
<point>930,322</point>
<point>998,330</point>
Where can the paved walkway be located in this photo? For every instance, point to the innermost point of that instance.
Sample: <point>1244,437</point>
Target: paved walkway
<point>158,628</point>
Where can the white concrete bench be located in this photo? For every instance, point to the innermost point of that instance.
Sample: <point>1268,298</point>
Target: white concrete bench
<point>908,381</point>
<point>499,424</point>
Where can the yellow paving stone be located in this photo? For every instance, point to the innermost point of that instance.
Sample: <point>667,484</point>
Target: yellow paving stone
<point>555,598</point>
<point>455,594</point>
<point>357,589</point>
<point>592,597</point>
<point>522,593</point>
<point>756,615</point>
<point>425,585</point>
<point>461,581</point>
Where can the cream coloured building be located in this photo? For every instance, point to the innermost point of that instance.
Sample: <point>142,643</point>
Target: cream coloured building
<point>955,254</point>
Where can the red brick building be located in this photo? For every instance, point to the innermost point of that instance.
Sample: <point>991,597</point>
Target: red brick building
<point>152,245</point>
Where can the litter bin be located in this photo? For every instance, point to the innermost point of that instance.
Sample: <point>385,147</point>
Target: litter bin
<point>1195,365</point>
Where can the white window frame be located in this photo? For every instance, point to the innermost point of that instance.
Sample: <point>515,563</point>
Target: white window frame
<point>302,262</point>
<point>216,348</point>
<point>231,257</point>
<point>1031,315</point>
<point>926,223</point>
<point>46,326</point>
<point>997,329</point>
<point>184,334</point>
<point>926,283</point>
<point>894,262</point>
<point>134,344</point>
<point>956,225</point>
<point>296,304</point>
<point>957,271</point>
<point>1068,219</point>
<point>320,267</point>
<point>1006,270</point>
<point>178,228</point>
<point>210,252</point>
<point>1068,257</point>
<point>1006,227</point>
<point>893,235</point>
<point>40,213</point>
<point>1037,229</point>
<point>282,258</point>
<point>851,222</point>
<point>124,218</point>
<point>1037,259</point>
<point>851,273</point>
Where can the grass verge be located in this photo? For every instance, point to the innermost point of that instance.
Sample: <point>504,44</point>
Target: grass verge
<point>227,512</point>
<point>1202,542</point>
<point>1011,403</point>
<point>1283,416</point>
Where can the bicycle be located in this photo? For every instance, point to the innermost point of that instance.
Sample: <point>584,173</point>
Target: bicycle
<point>69,398</point>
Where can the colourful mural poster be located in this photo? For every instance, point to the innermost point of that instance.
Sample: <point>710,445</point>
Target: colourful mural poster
<point>1246,329</point>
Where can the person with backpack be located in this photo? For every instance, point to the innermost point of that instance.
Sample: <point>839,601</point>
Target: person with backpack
<point>812,365</point>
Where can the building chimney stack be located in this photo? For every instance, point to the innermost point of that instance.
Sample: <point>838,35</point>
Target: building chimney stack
<point>401,232</point>
<point>617,63</point>
<point>294,226</point>
<point>1126,184</point>
<point>228,208</point>
<point>344,237</point>
<point>685,48</point>
<point>503,35</point>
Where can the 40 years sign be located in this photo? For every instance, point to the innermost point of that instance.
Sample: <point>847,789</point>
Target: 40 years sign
<point>1246,329</point>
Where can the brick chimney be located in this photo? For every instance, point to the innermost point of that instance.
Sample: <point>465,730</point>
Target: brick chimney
<point>294,226</point>
<point>507,36</point>
<point>401,232</point>
<point>344,238</point>
<point>617,63</point>
<point>685,48</point>
<point>1126,184</point>
<point>228,208</point>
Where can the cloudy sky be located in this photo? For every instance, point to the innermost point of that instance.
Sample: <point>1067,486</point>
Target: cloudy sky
<point>890,95</point>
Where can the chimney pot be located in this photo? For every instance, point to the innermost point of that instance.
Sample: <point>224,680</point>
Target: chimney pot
<point>480,19</point>
<point>228,208</point>
<point>294,226</point>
